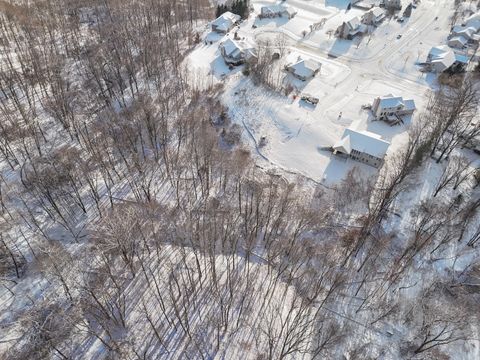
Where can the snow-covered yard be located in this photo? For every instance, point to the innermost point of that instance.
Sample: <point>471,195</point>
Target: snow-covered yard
<point>353,73</point>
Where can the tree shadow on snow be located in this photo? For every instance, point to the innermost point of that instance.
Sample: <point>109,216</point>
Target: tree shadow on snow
<point>339,166</point>
<point>297,84</point>
<point>340,47</point>
<point>220,69</point>
<point>385,129</point>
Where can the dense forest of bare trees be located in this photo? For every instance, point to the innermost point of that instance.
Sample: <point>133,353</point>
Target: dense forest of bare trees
<point>129,231</point>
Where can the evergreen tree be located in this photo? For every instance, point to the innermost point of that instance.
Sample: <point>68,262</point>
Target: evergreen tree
<point>239,7</point>
<point>221,9</point>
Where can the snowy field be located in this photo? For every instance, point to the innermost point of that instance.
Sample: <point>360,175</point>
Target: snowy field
<point>353,73</point>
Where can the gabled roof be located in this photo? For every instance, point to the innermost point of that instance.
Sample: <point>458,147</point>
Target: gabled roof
<point>225,21</point>
<point>473,21</point>
<point>291,10</point>
<point>409,104</point>
<point>444,63</point>
<point>305,67</point>
<point>343,145</point>
<point>278,9</point>
<point>438,52</point>
<point>465,31</point>
<point>354,23</point>
<point>363,141</point>
<point>236,49</point>
<point>461,58</point>
<point>377,12</point>
<point>443,55</point>
<point>460,39</point>
<point>390,101</point>
<point>231,47</point>
<point>473,17</point>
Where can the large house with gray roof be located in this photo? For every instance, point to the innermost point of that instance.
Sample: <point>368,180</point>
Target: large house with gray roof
<point>235,52</point>
<point>225,22</point>
<point>304,69</point>
<point>350,29</point>
<point>391,108</point>
<point>363,146</point>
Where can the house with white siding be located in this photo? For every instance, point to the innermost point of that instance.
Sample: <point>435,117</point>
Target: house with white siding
<point>391,108</point>
<point>350,29</point>
<point>363,146</point>
<point>235,52</point>
<point>373,17</point>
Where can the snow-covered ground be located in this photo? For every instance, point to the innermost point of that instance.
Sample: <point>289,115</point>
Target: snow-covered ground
<point>353,73</point>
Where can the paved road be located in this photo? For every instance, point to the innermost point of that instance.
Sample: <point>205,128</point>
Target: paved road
<point>377,66</point>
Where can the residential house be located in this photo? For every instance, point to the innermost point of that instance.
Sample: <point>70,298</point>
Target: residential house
<point>458,42</point>
<point>468,32</point>
<point>304,69</point>
<point>373,17</point>
<point>363,146</point>
<point>461,62</point>
<point>473,21</point>
<point>442,58</point>
<point>225,22</point>
<point>272,11</point>
<point>350,29</point>
<point>235,52</point>
<point>391,108</point>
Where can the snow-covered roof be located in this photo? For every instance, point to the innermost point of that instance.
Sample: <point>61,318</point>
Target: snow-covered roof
<point>475,24</point>
<point>236,49</point>
<point>438,52</point>
<point>343,145</point>
<point>354,23</point>
<point>441,57</point>
<point>461,58</point>
<point>363,141</point>
<point>465,31</point>
<point>390,101</point>
<point>473,21</point>
<point>443,64</point>
<point>409,104</point>
<point>225,21</point>
<point>230,47</point>
<point>459,39</point>
<point>377,12</point>
<point>277,9</point>
<point>473,17</point>
<point>305,67</point>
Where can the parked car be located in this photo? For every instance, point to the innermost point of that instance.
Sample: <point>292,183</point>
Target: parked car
<point>399,36</point>
<point>309,98</point>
